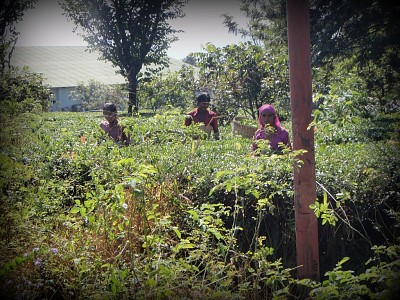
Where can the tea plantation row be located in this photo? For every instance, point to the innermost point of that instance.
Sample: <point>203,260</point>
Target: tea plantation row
<point>169,217</point>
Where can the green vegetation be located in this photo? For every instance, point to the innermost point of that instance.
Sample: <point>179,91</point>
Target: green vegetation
<point>169,217</point>
<point>243,76</point>
<point>11,12</point>
<point>94,94</point>
<point>129,34</point>
<point>170,90</point>
<point>23,91</point>
<point>172,218</point>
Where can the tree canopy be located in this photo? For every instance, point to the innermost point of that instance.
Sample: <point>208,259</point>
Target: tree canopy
<point>368,32</point>
<point>11,12</point>
<point>364,33</point>
<point>129,33</point>
<point>367,29</point>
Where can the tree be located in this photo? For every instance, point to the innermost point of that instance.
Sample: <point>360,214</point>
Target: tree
<point>364,29</point>
<point>346,28</point>
<point>23,91</point>
<point>243,76</point>
<point>190,59</point>
<point>266,21</point>
<point>364,33</point>
<point>129,33</point>
<point>173,89</point>
<point>20,90</point>
<point>93,94</point>
<point>11,12</point>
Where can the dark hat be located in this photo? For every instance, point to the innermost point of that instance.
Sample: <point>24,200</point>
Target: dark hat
<point>203,97</point>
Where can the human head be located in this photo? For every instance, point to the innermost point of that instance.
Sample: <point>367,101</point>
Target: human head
<point>110,112</point>
<point>203,100</point>
<point>268,109</point>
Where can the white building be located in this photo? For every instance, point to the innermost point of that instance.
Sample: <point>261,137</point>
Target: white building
<point>63,68</point>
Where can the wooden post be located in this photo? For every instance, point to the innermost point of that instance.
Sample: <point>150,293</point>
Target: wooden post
<point>307,253</point>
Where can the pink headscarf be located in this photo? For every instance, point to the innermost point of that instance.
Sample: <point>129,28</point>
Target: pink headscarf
<point>268,108</point>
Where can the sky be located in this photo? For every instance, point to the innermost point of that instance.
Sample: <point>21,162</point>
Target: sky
<point>46,26</point>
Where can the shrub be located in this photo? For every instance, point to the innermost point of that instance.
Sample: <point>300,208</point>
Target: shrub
<point>23,91</point>
<point>94,94</point>
<point>172,217</point>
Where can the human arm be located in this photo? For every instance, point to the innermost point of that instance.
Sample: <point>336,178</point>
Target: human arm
<point>188,119</point>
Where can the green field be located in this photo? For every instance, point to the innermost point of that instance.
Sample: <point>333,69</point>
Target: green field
<point>169,217</point>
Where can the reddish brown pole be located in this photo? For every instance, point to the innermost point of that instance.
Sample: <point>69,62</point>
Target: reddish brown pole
<point>301,107</point>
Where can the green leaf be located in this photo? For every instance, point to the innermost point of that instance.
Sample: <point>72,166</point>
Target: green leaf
<point>228,186</point>
<point>216,233</point>
<point>187,246</point>
<point>74,210</point>
<point>177,232</point>
<point>151,282</point>
<point>88,203</point>
<point>82,210</point>
<point>194,215</point>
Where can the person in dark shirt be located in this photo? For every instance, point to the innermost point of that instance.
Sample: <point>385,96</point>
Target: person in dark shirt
<point>111,126</point>
<point>202,114</point>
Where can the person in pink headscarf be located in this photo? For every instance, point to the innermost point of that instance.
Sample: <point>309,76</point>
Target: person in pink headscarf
<point>270,129</point>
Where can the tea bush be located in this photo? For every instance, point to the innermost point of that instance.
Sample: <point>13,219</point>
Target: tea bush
<point>169,217</point>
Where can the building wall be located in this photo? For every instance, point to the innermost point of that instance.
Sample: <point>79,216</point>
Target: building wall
<point>63,100</point>
<point>64,67</point>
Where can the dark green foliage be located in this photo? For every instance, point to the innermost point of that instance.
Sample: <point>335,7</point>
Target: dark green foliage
<point>367,29</point>
<point>23,91</point>
<point>365,33</point>
<point>202,217</point>
<point>11,12</point>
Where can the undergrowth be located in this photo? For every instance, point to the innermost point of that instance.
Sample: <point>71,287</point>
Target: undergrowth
<point>169,217</point>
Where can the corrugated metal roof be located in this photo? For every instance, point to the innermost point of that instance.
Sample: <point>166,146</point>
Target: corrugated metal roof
<point>66,66</point>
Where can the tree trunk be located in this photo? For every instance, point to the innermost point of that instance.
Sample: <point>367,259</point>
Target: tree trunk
<point>132,88</point>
